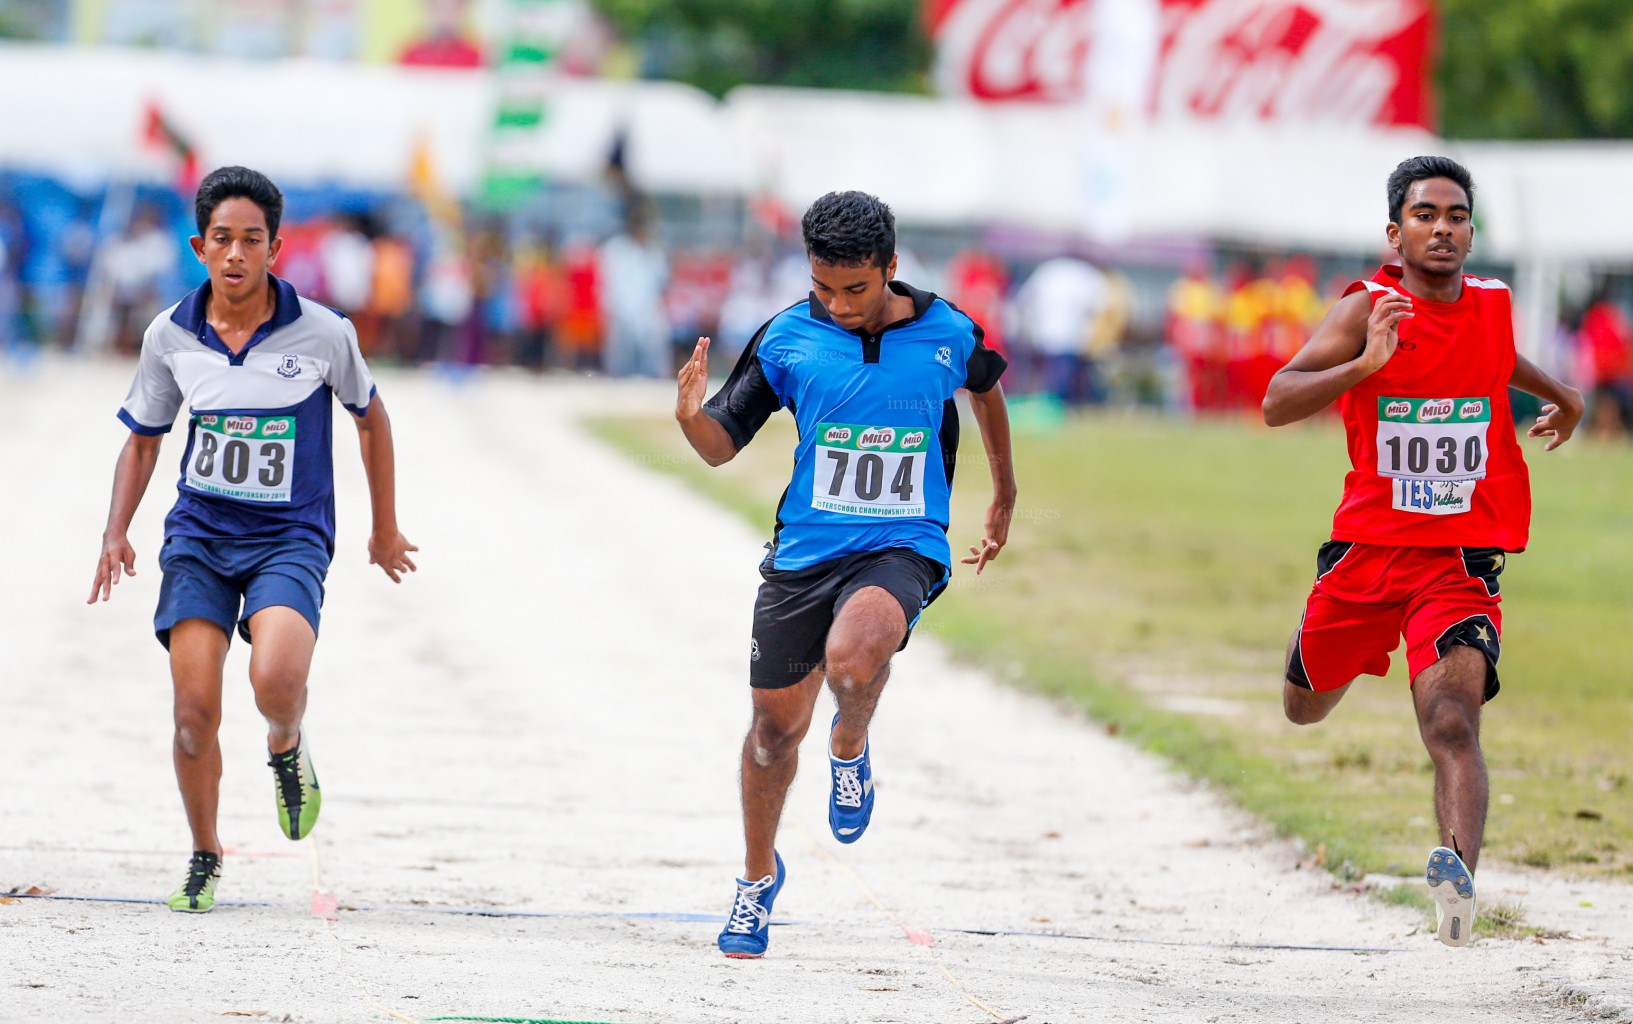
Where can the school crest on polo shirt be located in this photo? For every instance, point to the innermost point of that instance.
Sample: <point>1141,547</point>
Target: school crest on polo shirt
<point>290,367</point>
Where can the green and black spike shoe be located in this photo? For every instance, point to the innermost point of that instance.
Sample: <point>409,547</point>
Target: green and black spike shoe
<point>295,785</point>
<point>196,894</point>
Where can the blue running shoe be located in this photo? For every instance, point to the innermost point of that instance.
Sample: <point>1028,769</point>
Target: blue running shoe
<point>749,928</point>
<point>850,806</point>
<point>1451,884</point>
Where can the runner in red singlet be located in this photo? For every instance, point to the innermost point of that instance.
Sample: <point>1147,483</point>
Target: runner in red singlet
<point>1420,359</point>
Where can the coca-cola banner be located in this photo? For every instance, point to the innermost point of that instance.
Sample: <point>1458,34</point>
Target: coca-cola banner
<point>1333,61</point>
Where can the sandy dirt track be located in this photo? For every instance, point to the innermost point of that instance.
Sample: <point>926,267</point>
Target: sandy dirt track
<point>529,757</point>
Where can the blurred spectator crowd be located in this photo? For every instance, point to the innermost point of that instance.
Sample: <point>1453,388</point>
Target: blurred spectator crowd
<point>480,289</point>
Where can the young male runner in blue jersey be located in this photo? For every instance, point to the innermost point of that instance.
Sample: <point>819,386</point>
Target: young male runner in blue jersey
<point>248,543</point>
<point>868,366</point>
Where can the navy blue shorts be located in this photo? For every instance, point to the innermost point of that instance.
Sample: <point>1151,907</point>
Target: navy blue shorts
<point>227,581</point>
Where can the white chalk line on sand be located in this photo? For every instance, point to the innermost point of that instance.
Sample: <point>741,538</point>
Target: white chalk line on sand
<point>689,917</point>
<point>917,936</point>
<point>325,907</point>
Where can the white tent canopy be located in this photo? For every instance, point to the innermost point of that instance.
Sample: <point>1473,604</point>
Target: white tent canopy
<point>938,162</point>
<point>83,110</point>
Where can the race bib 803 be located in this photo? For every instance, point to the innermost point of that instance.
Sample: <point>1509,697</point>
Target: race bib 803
<point>250,458</point>
<point>870,471</point>
<point>1434,451</point>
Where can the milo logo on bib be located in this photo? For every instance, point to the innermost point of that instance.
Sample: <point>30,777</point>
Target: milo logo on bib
<point>1434,451</point>
<point>869,470</point>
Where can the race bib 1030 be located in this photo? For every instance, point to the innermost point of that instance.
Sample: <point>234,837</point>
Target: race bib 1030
<point>250,458</point>
<point>1434,451</point>
<point>870,471</point>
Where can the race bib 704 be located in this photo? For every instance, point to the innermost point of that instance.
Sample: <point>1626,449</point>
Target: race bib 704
<point>870,471</point>
<point>250,458</point>
<point>1434,451</point>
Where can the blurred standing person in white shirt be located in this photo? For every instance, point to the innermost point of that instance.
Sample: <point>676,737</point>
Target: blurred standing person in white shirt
<point>1056,307</point>
<point>634,271</point>
<point>347,254</point>
<point>139,265</point>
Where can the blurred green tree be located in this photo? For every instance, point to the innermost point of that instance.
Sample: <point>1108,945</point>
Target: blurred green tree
<point>877,45</point>
<point>1536,69</point>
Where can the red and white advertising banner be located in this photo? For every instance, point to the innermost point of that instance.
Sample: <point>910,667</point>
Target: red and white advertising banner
<point>1303,61</point>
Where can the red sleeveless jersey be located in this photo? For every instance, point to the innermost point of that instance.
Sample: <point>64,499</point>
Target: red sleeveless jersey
<point>1432,446</point>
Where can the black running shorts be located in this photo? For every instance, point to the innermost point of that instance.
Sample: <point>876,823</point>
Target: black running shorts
<point>796,607</point>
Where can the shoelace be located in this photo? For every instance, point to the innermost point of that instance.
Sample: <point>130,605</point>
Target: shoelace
<point>199,872</point>
<point>287,765</point>
<point>848,783</point>
<point>746,912</point>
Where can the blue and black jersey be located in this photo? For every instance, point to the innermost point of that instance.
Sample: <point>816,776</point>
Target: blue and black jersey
<point>878,428</point>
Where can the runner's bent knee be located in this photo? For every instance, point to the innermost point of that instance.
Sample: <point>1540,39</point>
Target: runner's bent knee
<point>868,632</point>
<point>196,726</point>
<point>773,738</point>
<point>851,671</point>
<point>1449,726</point>
<point>1305,707</point>
<point>274,679</point>
<point>781,719</point>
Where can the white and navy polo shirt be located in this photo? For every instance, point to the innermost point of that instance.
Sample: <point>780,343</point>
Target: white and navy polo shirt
<point>259,460</point>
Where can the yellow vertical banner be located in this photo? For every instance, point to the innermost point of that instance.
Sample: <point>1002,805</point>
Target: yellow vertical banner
<point>436,33</point>
<point>389,27</point>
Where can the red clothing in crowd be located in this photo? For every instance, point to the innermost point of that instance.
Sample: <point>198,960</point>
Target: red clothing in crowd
<point>1606,336</point>
<point>976,284</point>
<point>443,52</point>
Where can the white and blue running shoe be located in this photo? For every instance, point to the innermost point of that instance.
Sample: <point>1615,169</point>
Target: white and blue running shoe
<point>850,805</point>
<point>748,929</point>
<point>1451,885</point>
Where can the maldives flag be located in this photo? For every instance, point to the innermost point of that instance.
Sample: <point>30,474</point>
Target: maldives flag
<point>160,133</point>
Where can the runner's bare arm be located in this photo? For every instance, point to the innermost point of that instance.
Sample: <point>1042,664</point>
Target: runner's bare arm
<point>388,548</point>
<point>1354,340</point>
<point>1563,410</point>
<point>130,479</point>
<point>992,416</point>
<point>707,437</point>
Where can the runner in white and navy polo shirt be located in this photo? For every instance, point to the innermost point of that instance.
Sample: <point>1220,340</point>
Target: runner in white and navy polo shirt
<point>248,543</point>
<point>868,367</point>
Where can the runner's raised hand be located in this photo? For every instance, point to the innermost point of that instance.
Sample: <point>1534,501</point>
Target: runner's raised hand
<point>1383,330</point>
<point>691,382</point>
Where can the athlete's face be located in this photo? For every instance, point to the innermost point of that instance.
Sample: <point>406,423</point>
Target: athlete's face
<point>1436,231</point>
<point>237,249</point>
<point>855,297</point>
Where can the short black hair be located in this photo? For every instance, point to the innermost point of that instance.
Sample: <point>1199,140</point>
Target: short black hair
<point>850,229</point>
<point>1422,168</point>
<point>235,182</point>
